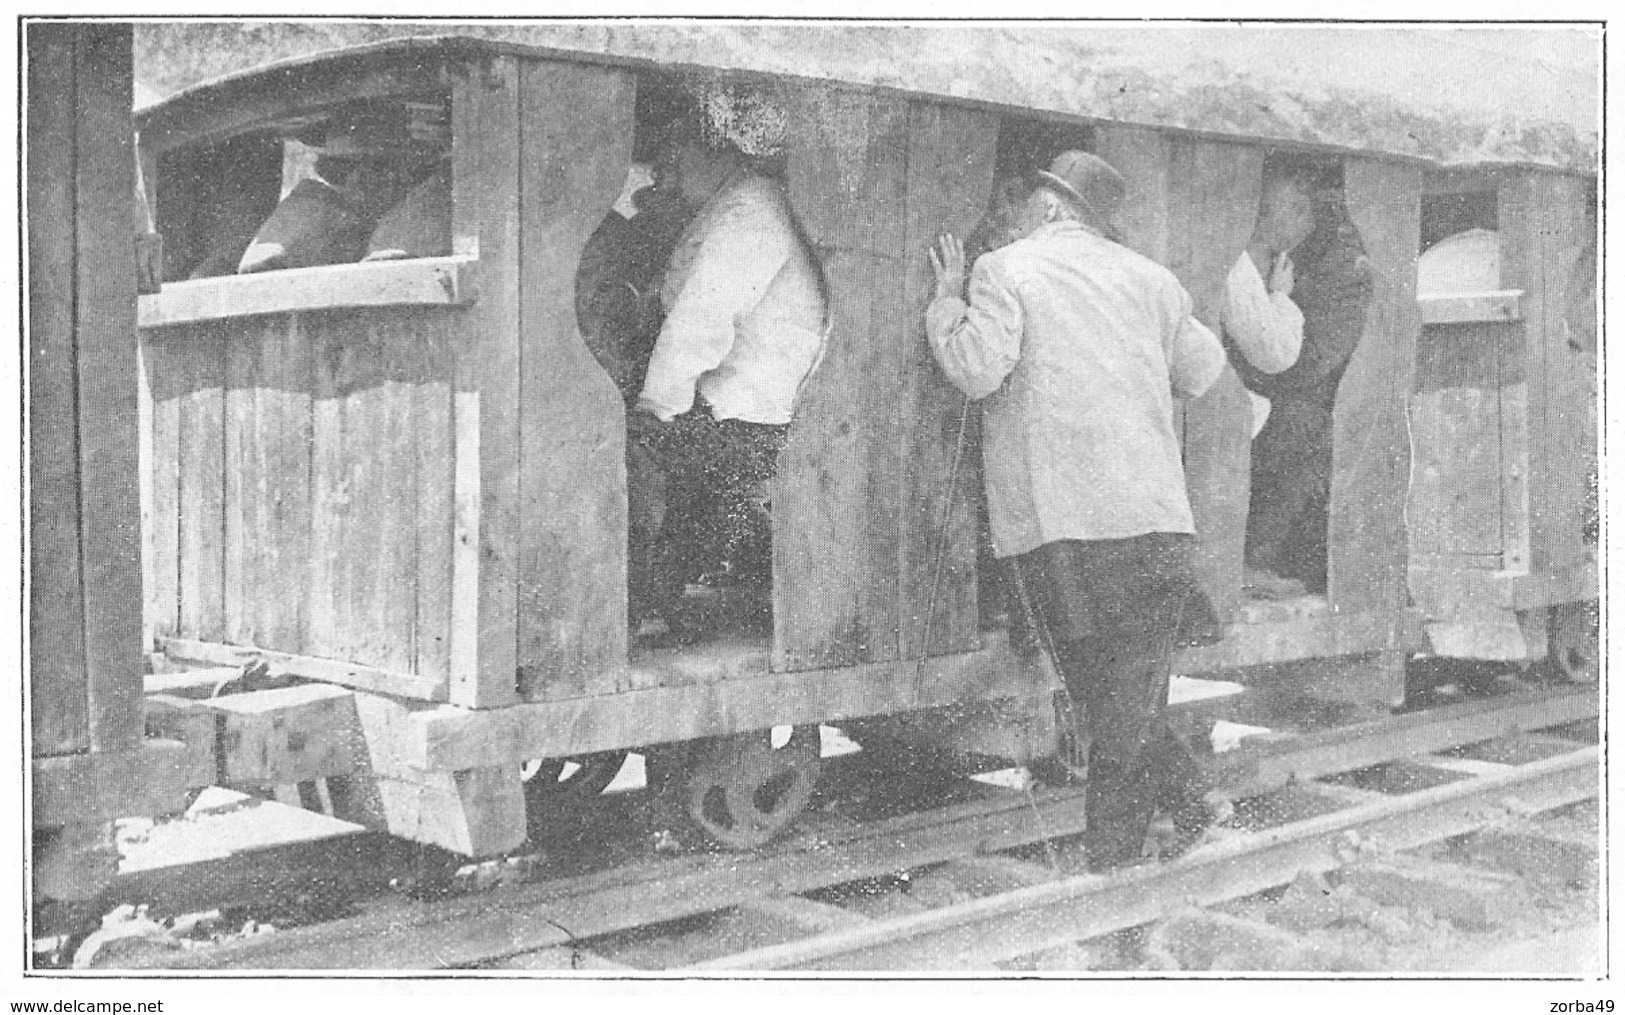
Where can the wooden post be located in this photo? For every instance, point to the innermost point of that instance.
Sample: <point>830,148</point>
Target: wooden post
<point>486,177</point>
<point>1213,206</point>
<point>950,174</point>
<point>85,660</point>
<point>105,345</point>
<point>576,145</point>
<point>476,811</point>
<point>1542,225</point>
<point>837,505</point>
<point>1145,158</point>
<point>89,755</point>
<point>59,714</point>
<point>1366,537</point>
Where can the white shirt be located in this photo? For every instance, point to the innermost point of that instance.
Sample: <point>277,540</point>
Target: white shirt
<point>1267,327</point>
<point>744,310</point>
<point>1078,346</point>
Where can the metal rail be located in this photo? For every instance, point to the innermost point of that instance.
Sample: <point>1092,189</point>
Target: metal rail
<point>976,934</point>
<point>402,934</point>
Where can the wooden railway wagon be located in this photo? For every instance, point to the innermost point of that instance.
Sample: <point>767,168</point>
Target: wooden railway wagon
<point>91,761</point>
<point>403,481</point>
<point>1503,418</point>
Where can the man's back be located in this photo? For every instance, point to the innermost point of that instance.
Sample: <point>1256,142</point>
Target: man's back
<point>1080,441</point>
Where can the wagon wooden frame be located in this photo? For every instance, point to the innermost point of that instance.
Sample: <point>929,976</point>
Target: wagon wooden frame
<point>498,635</point>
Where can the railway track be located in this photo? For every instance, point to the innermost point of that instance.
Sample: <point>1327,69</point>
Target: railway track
<point>979,882</point>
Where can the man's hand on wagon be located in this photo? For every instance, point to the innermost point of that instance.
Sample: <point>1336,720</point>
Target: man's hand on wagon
<point>948,264</point>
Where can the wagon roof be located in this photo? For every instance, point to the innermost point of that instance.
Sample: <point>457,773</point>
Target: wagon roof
<point>1445,94</point>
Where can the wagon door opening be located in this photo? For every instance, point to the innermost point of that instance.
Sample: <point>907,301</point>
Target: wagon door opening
<point>1289,501</point>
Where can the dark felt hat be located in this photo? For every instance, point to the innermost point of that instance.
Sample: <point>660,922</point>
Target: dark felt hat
<point>1088,180</point>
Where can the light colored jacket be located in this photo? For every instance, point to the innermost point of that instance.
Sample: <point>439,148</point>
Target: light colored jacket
<point>1078,347</point>
<point>1267,327</point>
<point>744,310</point>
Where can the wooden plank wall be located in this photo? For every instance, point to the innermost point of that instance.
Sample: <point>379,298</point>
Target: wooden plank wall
<point>1213,205</point>
<point>1371,448</point>
<point>837,505</point>
<point>1543,230</point>
<point>199,359</point>
<point>363,586</point>
<point>950,174</point>
<point>575,148</point>
<point>282,434</point>
<point>300,490</point>
<point>352,485</point>
<point>85,593</point>
<point>1454,500</point>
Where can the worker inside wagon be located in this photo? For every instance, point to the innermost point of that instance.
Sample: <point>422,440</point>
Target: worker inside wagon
<point>1076,347</point>
<point>372,175</point>
<point>1262,326</point>
<point>745,316</point>
<point>618,312</point>
<point>1292,454</point>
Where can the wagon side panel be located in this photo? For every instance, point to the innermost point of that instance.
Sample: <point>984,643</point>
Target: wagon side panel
<point>486,178</point>
<point>576,145</point>
<point>838,499</point>
<point>282,433</point>
<point>1454,508</point>
<point>201,362</point>
<point>950,173</point>
<point>1543,224</point>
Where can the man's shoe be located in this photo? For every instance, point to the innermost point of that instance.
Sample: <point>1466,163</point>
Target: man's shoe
<point>1056,772</point>
<point>1261,584</point>
<point>1191,822</point>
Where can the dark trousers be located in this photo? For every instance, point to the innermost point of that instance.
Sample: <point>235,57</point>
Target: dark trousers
<point>1111,612</point>
<point>1137,765</point>
<point>715,515</point>
<point>1291,474</point>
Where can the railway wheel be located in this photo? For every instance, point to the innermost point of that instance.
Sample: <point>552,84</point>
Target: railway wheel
<point>743,790</point>
<point>1572,646</point>
<point>562,786</point>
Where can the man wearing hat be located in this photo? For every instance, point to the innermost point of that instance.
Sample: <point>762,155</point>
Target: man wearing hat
<point>745,314</point>
<point>1263,327</point>
<point>1077,347</point>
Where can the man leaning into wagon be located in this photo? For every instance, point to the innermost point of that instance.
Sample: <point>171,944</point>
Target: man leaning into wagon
<point>745,314</point>
<point>1262,326</point>
<point>1077,347</point>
